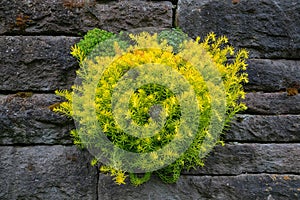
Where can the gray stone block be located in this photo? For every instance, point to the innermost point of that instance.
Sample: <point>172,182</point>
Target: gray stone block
<point>234,159</point>
<point>272,75</point>
<point>44,63</point>
<point>247,186</point>
<point>28,120</point>
<point>272,103</point>
<point>68,17</point>
<point>46,172</point>
<point>268,29</point>
<point>36,63</point>
<point>264,128</point>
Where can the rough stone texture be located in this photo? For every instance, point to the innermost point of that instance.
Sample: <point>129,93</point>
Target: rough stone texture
<point>261,143</point>
<point>268,29</point>
<point>46,172</point>
<point>272,103</point>
<point>44,63</point>
<point>260,187</point>
<point>28,120</point>
<point>264,128</point>
<point>71,17</point>
<point>39,63</point>
<point>233,159</point>
<point>272,75</point>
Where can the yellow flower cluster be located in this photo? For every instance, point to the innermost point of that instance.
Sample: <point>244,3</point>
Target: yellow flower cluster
<point>151,103</point>
<point>119,176</point>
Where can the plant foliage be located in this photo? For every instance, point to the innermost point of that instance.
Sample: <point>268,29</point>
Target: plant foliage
<point>152,102</point>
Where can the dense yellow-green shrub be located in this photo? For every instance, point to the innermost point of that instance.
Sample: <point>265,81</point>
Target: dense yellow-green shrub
<point>163,106</point>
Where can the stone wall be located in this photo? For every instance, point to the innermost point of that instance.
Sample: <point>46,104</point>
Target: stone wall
<point>261,157</point>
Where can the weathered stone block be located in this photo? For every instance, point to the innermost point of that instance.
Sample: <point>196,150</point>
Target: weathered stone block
<point>44,63</point>
<point>28,120</point>
<point>268,29</point>
<point>76,17</point>
<point>46,172</point>
<point>264,128</point>
<point>263,186</point>
<point>233,159</point>
<point>272,75</point>
<point>272,103</point>
<point>41,63</point>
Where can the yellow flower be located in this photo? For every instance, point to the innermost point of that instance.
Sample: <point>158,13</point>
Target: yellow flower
<point>77,53</point>
<point>120,178</point>
<point>101,75</point>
